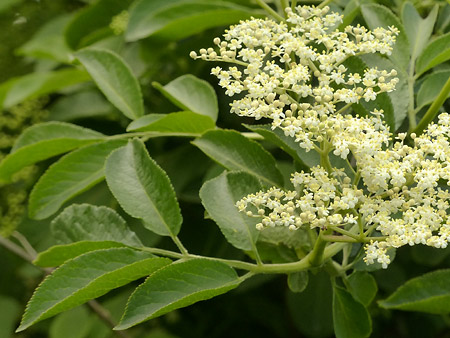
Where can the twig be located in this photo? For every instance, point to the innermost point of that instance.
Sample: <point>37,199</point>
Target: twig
<point>104,315</point>
<point>25,244</point>
<point>14,248</point>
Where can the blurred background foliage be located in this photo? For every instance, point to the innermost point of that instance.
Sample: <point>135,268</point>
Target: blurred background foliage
<point>37,37</point>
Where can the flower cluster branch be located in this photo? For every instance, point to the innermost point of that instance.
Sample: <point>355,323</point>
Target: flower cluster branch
<point>293,73</point>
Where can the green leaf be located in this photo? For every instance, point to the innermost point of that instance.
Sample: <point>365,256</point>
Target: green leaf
<point>59,254</point>
<point>399,98</point>
<point>6,5</point>
<point>143,189</point>
<point>235,152</point>
<point>219,197</point>
<point>115,79</point>
<point>182,123</point>
<point>298,281</point>
<point>311,309</point>
<point>288,144</point>
<point>436,52</point>
<point>350,317</point>
<point>71,175</point>
<point>428,256</point>
<point>51,34</point>
<point>86,277</point>
<point>431,87</point>
<point>10,313</point>
<point>175,286</point>
<point>383,100</point>
<point>351,10</point>
<point>43,141</point>
<point>363,287</point>
<point>84,222</point>
<point>380,16</point>
<point>428,293</point>
<point>67,324</point>
<point>190,93</point>
<point>85,104</point>
<point>174,20</point>
<point>417,30</point>
<point>56,132</point>
<point>93,21</point>
<point>19,89</point>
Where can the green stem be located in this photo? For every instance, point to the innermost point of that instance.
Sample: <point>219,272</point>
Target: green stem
<point>411,111</point>
<point>293,4</point>
<point>312,66</point>
<point>323,4</point>
<point>269,10</point>
<point>347,239</point>
<point>344,232</point>
<point>303,264</point>
<point>343,239</point>
<point>434,108</point>
<point>316,256</point>
<point>284,4</point>
<point>324,159</point>
<point>344,108</point>
<point>253,136</point>
<point>356,178</point>
<point>180,246</point>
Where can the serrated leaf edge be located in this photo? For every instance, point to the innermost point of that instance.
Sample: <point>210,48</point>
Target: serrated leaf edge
<point>51,276</point>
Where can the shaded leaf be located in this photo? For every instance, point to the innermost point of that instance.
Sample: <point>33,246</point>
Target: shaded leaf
<point>235,152</point>
<point>86,277</point>
<point>71,175</point>
<point>84,222</point>
<point>175,286</point>
<point>85,104</point>
<point>219,197</point>
<point>43,141</point>
<point>428,256</point>
<point>399,98</point>
<point>51,34</point>
<point>59,254</point>
<point>382,101</point>
<point>19,89</point>
<point>431,87</point>
<point>143,189</point>
<point>67,324</point>
<point>418,30</point>
<point>350,317</point>
<point>435,53</point>
<point>298,281</point>
<point>311,309</point>
<point>191,93</point>
<point>288,144</point>
<point>428,293</point>
<point>377,15</point>
<point>181,123</point>
<point>363,287</point>
<point>115,79</point>
<point>10,310</point>
<point>92,22</point>
<point>174,20</point>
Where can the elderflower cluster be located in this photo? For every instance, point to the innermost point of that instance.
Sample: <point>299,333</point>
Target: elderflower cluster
<point>400,195</point>
<point>293,72</point>
<point>319,200</point>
